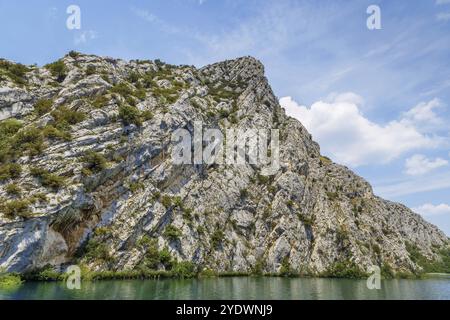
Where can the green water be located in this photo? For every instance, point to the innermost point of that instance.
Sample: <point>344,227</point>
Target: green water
<point>235,288</point>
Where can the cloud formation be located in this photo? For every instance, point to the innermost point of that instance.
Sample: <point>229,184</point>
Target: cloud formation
<point>419,164</point>
<point>155,20</point>
<point>443,16</point>
<point>424,114</point>
<point>429,209</point>
<point>349,137</point>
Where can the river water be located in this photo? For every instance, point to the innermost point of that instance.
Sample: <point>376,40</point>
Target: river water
<point>235,288</point>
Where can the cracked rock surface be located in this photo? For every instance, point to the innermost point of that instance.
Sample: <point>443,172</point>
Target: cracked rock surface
<point>87,177</point>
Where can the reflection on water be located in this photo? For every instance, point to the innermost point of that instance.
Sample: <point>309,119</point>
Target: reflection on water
<point>235,288</point>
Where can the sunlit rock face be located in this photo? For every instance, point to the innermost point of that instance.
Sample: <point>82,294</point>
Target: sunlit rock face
<point>87,177</point>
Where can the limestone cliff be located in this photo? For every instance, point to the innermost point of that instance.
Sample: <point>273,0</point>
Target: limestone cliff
<point>87,177</point>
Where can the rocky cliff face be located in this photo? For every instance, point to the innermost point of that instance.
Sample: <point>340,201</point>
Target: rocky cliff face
<point>87,177</point>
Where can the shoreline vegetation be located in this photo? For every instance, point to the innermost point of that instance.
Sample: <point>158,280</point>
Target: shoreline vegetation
<point>179,270</point>
<point>185,269</point>
<point>14,280</point>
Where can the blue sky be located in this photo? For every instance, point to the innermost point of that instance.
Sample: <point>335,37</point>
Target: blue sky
<point>376,100</point>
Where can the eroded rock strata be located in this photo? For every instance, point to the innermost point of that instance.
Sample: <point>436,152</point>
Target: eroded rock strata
<point>87,177</point>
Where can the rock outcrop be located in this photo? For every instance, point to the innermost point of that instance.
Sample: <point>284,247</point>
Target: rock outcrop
<point>87,177</point>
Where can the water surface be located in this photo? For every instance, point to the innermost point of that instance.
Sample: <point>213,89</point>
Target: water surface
<point>235,288</point>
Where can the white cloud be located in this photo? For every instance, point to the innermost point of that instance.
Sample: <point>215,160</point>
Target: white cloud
<point>429,209</point>
<point>424,113</point>
<point>425,183</point>
<point>350,138</point>
<point>419,164</point>
<point>349,97</point>
<point>442,2</point>
<point>155,20</point>
<point>84,37</point>
<point>443,16</point>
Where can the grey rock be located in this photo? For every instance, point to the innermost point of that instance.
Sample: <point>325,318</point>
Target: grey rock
<point>311,215</point>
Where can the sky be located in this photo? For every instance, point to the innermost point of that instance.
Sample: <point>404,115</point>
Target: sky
<point>376,100</point>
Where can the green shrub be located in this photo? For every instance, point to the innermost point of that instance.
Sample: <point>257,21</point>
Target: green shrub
<point>440,265</point>
<point>156,195</point>
<point>325,161</point>
<point>187,213</point>
<point>43,106</point>
<point>51,132</point>
<point>10,171</point>
<point>307,221</point>
<point>58,69</point>
<point>15,71</point>
<point>200,230</point>
<point>133,77</point>
<point>344,269</point>
<point>135,186</point>
<point>47,274</point>
<point>243,193</point>
<point>47,179</point>
<point>96,250</point>
<point>52,181</point>
<point>140,94</point>
<point>166,258</point>
<point>262,179</point>
<point>9,280</point>
<point>29,139</point>
<point>74,54</point>
<point>216,238</point>
<point>9,127</point>
<point>38,197</point>
<point>131,101</point>
<point>224,113</point>
<point>16,208</point>
<point>101,231</point>
<point>376,248</point>
<point>130,115</point>
<point>167,95</point>
<point>172,233</point>
<point>166,201</point>
<point>64,116</point>
<point>178,202</point>
<point>151,258</point>
<point>387,272</point>
<point>147,115</point>
<point>285,269</point>
<point>196,104</point>
<point>145,242</point>
<point>258,268</point>
<point>90,70</point>
<point>208,273</point>
<point>13,189</point>
<point>100,102</point>
<point>332,196</point>
<point>94,162</point>
<point>122,88</point>
<point>184,269</point>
